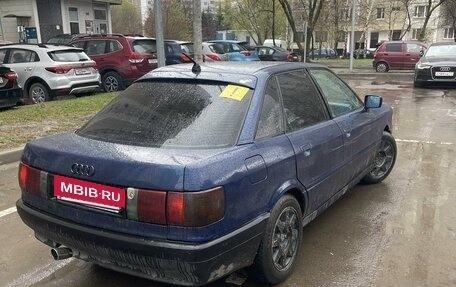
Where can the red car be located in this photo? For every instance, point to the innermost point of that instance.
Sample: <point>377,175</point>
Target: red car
<point>397,55</point>
<point>120,59</point>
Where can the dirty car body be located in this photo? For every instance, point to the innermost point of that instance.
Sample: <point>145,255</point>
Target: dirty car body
<point>188,176</point>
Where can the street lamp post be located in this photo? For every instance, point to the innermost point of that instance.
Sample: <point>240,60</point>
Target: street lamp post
<point>352,36</point>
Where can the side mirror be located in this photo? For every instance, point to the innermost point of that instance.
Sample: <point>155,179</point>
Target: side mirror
<point>421,53</point>
<point>372,101</point>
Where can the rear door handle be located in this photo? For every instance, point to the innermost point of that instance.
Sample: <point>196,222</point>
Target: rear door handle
<point>306,149</point>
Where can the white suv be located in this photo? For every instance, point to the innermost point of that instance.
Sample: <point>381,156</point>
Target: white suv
<point>46,70</point>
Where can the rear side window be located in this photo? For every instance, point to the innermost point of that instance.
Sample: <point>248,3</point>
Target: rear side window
<point>271,117</point>
<point>68,56</point>
<point>303,106</point>
<point>146,46</point>
<point>22,56</point>
<point>173,115</point>
<point>393,47</point>
<point>114,46</point>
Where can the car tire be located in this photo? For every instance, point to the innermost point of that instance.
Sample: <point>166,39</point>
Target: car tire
<point>39,93</point>
<point>112,82</point>
<point>384,161</point>
<point>277,254</point>
<point>381,67</point>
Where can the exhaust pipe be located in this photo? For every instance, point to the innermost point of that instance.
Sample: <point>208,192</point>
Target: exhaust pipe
<point>61,253</point>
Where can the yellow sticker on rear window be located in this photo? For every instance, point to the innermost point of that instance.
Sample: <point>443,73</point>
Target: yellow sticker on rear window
<point>234,92</point>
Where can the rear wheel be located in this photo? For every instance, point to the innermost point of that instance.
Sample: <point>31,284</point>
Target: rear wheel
<point>277,253</point>
<point>381,67</point>
<point>384,160</point>
<point>112,82</point>
<point>39,93</point>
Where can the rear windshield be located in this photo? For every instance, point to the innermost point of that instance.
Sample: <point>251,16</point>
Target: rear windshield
<point>173,115</point>
<point>187,48</point>
<point>146,46</point>
<point>216,48</point>
<point>69,56</point>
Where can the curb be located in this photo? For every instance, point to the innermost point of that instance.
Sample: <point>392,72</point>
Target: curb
<point>11,155</point>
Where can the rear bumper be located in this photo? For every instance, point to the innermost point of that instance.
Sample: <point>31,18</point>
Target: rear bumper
<point>10,97</point>
<point>166,261</point>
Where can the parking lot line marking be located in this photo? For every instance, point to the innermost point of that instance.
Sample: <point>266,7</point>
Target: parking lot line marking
<point>7,211</point>
<point>424,142</point>
<point>35,276</point>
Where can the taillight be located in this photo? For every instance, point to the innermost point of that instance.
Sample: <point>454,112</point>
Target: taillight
<point>213,57</point>
<point>29,179</point>
<point>59,69</point>
<point>150,205</point>
<point>184,58</point>
<point>245,53</point>
<point>176,208</point>
<point>10,75</point>
<point>290,56</point>
<point>195,208</point>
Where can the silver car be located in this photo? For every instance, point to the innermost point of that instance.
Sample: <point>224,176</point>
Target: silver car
<point>213,52</point>
<point>46,71</point>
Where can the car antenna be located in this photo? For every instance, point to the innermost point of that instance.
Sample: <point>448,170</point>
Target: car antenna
<point>196,67</point>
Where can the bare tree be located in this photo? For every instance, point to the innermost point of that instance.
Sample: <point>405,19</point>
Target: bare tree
<point>176,24</point>
<point>449,15</point>
<point>261,18</point>
<point>311,11</point>
<point>126,19</point>
<point>432,5</point>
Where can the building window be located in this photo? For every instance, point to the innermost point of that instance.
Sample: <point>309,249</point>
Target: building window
<point>396,9</point>
<point>380,13</point>
<point>100,14</point>
<point>421,11</point>
<point>415,33</point>
<point>448,33</point>
<point>396,35</point>
<point>74,20</point>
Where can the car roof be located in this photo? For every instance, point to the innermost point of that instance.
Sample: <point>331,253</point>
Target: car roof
<point>443,44</point>
<point>243,73</point>
<point>47,47</point>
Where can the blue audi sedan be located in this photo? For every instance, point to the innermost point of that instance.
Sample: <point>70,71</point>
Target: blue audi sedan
<point>194,172</point>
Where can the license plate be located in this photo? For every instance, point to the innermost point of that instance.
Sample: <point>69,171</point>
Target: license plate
<point>153,61</point>
<point>83,71</point>
<point>444,74</point>
<point>85,192</point>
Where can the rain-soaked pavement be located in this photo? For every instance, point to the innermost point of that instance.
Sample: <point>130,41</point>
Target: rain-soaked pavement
<point>401,232</point>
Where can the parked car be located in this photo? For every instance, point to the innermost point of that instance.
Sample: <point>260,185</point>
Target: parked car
<point>200,168</point>
<point>235,50</point>
<point>266,53</point>
<point>174,52</point>
<point>437,65</point>
<point>45,71</point>
<point>323,53</point>
<point>120,59</point>
<point>397,55</point>
<point>10,92</point>
<point>213,52</point>
<point>363,54</point>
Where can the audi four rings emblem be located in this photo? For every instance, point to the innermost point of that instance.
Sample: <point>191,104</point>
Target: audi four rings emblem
<point>82,169</point>
<point>445,69</point>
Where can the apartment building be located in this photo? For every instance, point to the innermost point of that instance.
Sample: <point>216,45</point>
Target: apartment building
<point>35,21</point>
